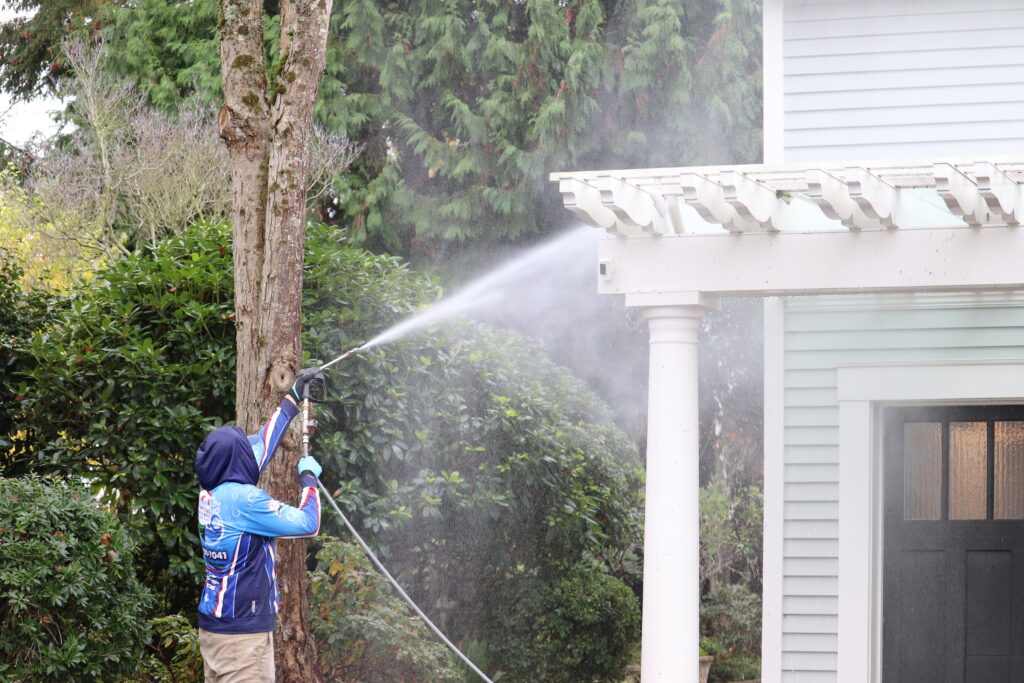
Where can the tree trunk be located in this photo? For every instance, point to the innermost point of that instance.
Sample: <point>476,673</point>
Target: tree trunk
<point>268,146</point>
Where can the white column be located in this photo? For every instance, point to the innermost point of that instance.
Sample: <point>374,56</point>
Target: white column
<point>671,627</point>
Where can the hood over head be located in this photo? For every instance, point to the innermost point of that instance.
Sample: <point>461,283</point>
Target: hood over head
<point>225,455</point>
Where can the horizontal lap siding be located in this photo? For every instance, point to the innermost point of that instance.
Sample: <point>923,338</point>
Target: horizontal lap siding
<point>820,334</point>
<point>919,78</point>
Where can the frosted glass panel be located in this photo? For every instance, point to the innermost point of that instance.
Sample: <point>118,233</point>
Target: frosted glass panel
<point>1009,474</point>
<point>922,470</point>
<point>968,470</point>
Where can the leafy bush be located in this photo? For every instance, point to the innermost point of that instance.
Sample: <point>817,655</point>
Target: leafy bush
<point>70,604</point>
<point>739,668</point>
<point>124,387</point>
<point>473,462</point>
<point>731,540</point>
<point>22,312</point>
<point>174,653</point>
<point>731,617</point>
<point>365,632</point>
<point>478,465</point>
<point>577,629</point>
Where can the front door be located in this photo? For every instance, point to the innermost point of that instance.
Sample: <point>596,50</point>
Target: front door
<point>953,578</point>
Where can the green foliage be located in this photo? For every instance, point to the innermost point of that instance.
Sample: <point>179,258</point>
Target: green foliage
<point>731,535</point>
<point>474,463</point>
<point>126,383</point>
<point>30,56</point>
<point>478,465</point>
<point>22,312</point>
<point>71,607</point>
<point>466,106</point>
<point>731,617</point>
<point>739,668</point>
<point>578,629</point>
<point>365,632</point>
<point>731,542</point>
<point>174,653</point>
<point>172,48</point>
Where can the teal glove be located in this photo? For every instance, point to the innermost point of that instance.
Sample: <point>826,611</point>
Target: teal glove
<point>308,463</point>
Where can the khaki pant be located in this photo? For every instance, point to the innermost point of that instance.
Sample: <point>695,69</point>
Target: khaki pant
<point>237,657</point>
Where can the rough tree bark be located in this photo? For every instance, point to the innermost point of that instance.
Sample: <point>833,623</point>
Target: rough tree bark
<point>266,125</point>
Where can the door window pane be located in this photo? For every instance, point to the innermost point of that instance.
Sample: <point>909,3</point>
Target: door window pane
<point>922,470</point>
<point>1009,471</point>
<point>968,470</point>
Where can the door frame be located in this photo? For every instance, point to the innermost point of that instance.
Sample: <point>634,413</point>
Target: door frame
<point>864,391</point>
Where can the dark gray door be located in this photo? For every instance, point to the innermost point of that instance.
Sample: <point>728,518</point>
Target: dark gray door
<point>953,577</point>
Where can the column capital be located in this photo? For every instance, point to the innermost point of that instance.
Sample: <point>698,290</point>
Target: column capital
<point>672,299</point>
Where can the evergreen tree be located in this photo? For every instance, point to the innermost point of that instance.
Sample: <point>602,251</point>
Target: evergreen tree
<point>31,61</point>
<point>465,107</point>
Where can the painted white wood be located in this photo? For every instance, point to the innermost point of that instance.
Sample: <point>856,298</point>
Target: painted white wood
<point>827,453</point>
<point>816,511</point>
<point>811,436</point>
<point>828,262</point>
<point>809,677</point>
<point>811,566</point>
<point>936,148</point>
<point>670,628</point>
<point>961,194</point>
<point>830,10</point>
<point>810,585</point>
<point>808,661</point>
<point>855,589</point>
<point>864,339</point>
<point>798,397</point>
<point>918,77</point>
<point>1007,130</point>
<point>814,606</point>
<point>774,449</point>
<point>881,16</point>
<point>772,69</point>
<point>811,547</point>
<point>945,38</point>
<point>903,87</point>
<point>812,492</point>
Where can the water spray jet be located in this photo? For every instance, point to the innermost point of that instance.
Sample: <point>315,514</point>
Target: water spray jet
<point>487,290</point>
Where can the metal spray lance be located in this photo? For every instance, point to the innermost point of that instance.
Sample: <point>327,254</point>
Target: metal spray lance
<point>312,391</point>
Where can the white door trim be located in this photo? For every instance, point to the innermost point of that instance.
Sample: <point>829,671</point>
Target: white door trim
<point>863,391</point>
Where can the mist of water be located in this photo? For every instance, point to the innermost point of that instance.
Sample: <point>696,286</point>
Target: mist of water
<point>509,284</point>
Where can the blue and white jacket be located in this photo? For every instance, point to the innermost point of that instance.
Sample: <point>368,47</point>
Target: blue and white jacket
<point>238,523</point>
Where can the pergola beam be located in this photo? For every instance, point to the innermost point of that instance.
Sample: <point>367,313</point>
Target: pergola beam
<point>779,264</point>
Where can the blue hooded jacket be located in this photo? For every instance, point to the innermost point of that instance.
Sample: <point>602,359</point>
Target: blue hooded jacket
<point>238,523</point>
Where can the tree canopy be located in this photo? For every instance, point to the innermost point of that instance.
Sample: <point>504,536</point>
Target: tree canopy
<point>465,107</point>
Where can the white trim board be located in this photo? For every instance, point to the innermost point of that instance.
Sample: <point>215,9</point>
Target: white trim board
<point>863,391</point>
<point>774,490</point>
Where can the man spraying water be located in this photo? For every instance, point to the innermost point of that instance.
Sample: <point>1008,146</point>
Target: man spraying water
<point>238,525</point>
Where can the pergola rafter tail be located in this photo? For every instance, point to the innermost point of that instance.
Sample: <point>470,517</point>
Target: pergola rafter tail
<point>865,195</point>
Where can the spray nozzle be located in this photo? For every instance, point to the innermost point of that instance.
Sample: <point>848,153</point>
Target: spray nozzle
<point>313,384</point>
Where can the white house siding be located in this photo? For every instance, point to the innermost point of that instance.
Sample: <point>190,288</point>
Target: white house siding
<point>873,79</point>
<point>819,335</point>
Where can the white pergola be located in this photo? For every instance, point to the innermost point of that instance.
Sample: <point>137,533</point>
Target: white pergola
<point>678,239</point>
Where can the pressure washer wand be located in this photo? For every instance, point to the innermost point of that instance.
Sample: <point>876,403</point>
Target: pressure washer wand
<point>342,356</point>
